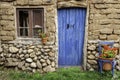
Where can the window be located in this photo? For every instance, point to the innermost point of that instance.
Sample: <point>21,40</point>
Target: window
<point>29,21</point>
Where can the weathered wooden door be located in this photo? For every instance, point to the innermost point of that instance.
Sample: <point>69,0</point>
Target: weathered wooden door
<point>71,29</point>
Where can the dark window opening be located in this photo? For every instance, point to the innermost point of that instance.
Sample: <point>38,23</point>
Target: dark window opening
<point>23,21</point>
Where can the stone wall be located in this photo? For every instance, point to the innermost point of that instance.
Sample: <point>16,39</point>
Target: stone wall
<point>92,51</point>
<point>28,57</point>
<point>72,3</point>
<point>103,24</point>
<point>28,54</point>
<point>8,14</point>
<point>104,21</point>
<point>7,24</point>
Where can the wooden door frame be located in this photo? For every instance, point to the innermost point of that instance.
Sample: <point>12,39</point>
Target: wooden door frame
<point>85,38</point>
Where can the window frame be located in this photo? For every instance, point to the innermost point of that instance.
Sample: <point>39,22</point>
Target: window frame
<point>31,21</point>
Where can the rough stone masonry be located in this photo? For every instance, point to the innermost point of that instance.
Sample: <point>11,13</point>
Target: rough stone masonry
<point>30,55</point>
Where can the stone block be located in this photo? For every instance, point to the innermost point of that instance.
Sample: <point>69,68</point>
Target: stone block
<point>102,37</point>
<point>117,6</point>
<point>21,2</point>
<point>92,37</point>
<point>105,1</point>
<point>97,1</point>
<point>117,46</point>
<point>7,38</point>
<point>10,33</point>
<point>6,22</point>
<point>101,6</point>
<point>116,31</point>
<point>92,47</point>
<point>112,37</point>
<point>97,16</point>
<point>106,31</point>
<point>7,0</point>
<point>110,10</point>
<point>92,61</point>
<point>7,17</point>
<point>113,16</point>
<point>35,2</point>
<point>13,49</point>
<point>6,5</point>
<point>3,33</point>
<point>91,57</point>
<point>9,28</point>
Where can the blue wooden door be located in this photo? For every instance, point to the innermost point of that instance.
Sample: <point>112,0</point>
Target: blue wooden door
<point>71,29</point>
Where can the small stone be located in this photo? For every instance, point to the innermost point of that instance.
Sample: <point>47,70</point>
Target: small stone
<point>14,59</point>
<point>35,58</point>
<point>1,49</point>
<point>30,51</point>
<point>23,68</point>
<point>33,65</point>
<point>2,55</point>
<point>92,61</point>
<point>47,50</point>
<point>94,52</point>
<point>34,70</point>
<point>116,45</point>
<point>27,64</point>
<point>39,57</point>
<point>22,55</point>
<point>52,58</point>
<point>32,55</point>
<point>89,52</point>
<point>118,62</point>
<point>13,49</point>
<point>38,53</point>
<point>103,37</point>
<point>19,45</point>
<point>118,68</point>
<point>44,64</point>
<point>45,54</point>
<point>11,64</point>
<point>42,60</point>
<point>42,50</point>
<point>53,64</point>
<point>92,47</point>
<point>117,56</point>
<point>91,69</point>
<point>29,60</point>
<point>25,51</point>
<point>39,65</point>
<point>27,56</point>
<point>45,47</point>
<point>48,69</point>
<point>39,46</point>
<point>45,57</point>
<point>88,66</point>
<point>20,50</point>
<point>21,64</point>
<point>29,68</point>
<point>32,47</point>
<point>48,61</point>
<point>51,54</point>
<point>91,57</point>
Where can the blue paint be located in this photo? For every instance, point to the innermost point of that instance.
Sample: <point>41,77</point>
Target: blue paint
<point>71,25</point>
